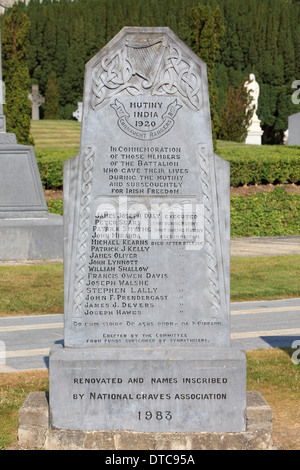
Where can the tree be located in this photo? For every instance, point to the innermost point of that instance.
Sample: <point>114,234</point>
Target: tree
<point>71,84</point>
<point>206,32</point>
<point>236,116</point>
<point>260,37</point>
<point>15,30</point>
<point>51,98</point>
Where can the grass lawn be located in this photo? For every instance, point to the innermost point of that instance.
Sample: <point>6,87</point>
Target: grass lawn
<point>48,133</point>
<point>53,134</point>
<point>33,289</point>
<point>265,278</point>
<point>270,372</point>
<point>61,133</point>
<point>38,289</point>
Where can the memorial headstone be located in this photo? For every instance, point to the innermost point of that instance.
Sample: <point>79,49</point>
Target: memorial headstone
<point>36,101</point>
<point>147,252</point>
<point>27,230</point>
<point>78,113</point>
<point>294,129</point>
<point>254,130</point>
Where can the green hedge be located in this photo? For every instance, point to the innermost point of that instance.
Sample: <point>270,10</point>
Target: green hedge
<point>262,164</point>
<point>271,214</point>
<point>55,206</point>
<point>50,163</point>
<point>248,165</point>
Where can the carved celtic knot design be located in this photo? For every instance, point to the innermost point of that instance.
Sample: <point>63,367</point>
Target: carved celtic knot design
<point>209,230</point>
<point>153,67</point>
<point>85,203</point>
<point>112,77</point>
<point>178,76</point>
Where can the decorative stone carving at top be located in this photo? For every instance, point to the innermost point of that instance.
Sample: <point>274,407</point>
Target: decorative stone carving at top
<point>156,66</point>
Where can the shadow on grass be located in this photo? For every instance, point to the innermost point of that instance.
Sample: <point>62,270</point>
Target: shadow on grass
<point>280,343</point>
<point>294,351</point>
<point>283,342</point>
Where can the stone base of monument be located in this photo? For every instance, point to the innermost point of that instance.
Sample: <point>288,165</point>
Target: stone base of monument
<point>146,398</point>
<point>164,389</point>
<point>35,432</point>
<point>31,238</point>
<point>254,133</point>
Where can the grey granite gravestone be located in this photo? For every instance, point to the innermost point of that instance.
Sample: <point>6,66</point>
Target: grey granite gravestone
<point>294,129</point>
<point>147,252</point>
<point>27,230</point>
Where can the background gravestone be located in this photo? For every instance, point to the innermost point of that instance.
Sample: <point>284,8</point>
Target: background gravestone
<point>36,101</point>
<point>147,252</point>
<point>294,129</point>
<point>78,113</point>
<point>27,230</point>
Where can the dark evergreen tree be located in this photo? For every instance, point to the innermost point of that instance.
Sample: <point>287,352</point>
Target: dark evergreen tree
<point>62,45</point>
<point>236,116</point>
<point>261,37</point>
<point>51,98</point>
<point>15,33</point>
<point>206,31</point>
<point>71,84</point>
